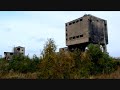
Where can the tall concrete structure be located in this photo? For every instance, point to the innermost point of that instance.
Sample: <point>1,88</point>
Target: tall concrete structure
<point>85,30</point>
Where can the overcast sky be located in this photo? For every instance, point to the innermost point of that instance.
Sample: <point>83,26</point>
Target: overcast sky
<point>31,29</point>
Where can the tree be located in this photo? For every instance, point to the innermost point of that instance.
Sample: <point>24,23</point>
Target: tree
<point>48,59</point>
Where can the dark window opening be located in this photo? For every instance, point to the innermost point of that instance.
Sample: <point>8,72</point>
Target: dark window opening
<point>90,20</point>
<point>70,23</point>
<point>66,39</point>
<point>11,53</point>
<point>77,21</point>
<point>105,24</point>
<point>66,24</point>
<point>73,37</point>
<point>97,20</point>
<point>81,35</point>
<point>66,29</point>
<point>5,53</point>
<point>70,38</point>
<point>77,36</point>
<point>73,22</point>
<point>89,39</point>
<point>66,34</point>
<point>21,53</point>
<point>18,48</point>
<point>80,19</point>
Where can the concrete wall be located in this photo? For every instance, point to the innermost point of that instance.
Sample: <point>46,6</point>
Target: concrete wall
<point>77,31</point>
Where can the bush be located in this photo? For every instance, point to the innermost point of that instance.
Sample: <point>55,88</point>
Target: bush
<point>94,52</point>
<point>102,62</point>
<point>24,64</point>
<point>4,66</point>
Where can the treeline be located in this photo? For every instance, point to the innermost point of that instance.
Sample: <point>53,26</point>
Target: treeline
<point>61,65</point>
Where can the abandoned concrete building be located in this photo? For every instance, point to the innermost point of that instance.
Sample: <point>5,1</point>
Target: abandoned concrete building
<point>19,50</point>
<point>8,55</point>
<point>16,51</point>
<point>85,30</point>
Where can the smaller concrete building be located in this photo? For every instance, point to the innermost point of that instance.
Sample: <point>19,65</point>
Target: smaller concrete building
<point>63,49</point>
<point>19,50</point>
<point>16,51</point>
<point>8,55</point>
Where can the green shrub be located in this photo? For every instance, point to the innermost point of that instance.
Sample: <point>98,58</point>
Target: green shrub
<point>24,64</point>
<point>4,66</point>
<point>102,62</point>
<point>94,52</point>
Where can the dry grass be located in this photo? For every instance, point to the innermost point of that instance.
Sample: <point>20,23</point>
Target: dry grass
<point>114,75</point>
<point>15,75</point>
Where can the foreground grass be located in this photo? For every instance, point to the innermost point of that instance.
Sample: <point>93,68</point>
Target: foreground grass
<point>15,75</point>
<point>113,75</point>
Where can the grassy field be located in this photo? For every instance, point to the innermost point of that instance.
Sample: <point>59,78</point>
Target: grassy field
<point>13,75</point>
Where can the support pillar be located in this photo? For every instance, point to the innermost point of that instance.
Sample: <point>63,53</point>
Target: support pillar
<point>104,48</point>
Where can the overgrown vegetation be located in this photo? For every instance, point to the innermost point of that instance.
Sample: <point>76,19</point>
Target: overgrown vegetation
<point>60,65</point>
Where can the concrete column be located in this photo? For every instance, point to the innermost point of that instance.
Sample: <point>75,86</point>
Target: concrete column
<point>104,48</point>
